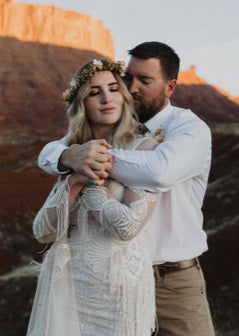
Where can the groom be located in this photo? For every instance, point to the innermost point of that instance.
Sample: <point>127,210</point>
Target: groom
<point>178,168</point>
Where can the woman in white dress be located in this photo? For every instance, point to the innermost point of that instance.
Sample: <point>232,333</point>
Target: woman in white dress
<point>97,277</point>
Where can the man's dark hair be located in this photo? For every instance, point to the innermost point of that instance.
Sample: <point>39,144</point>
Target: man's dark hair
<point>169,60</point>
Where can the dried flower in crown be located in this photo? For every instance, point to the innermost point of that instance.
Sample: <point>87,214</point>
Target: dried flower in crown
<point>88,71</point>
<point>98,64</point>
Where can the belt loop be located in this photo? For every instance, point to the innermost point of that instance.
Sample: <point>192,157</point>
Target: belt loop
<point>156,272</point>
<point>197,263</point>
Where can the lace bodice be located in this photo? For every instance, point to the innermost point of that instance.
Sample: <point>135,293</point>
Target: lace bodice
<point>121,220</point>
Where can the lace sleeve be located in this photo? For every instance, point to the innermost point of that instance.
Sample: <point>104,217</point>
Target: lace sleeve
<point>122,220</point>
<point>51,222</point>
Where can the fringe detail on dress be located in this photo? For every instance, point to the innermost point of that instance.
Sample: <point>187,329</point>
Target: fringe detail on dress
<point>63,213</point>
<point>140,320</point>
<point>62,256</point>
<point>54,310</point>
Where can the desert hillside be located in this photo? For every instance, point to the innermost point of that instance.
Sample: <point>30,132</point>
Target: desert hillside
<point>190,77</point>
<point>41,46</point>
<point>208,101</point>
<point>32,79</point>
<point>33,76</point>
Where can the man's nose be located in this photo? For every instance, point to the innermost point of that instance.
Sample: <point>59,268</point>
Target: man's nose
<point>133,86</point>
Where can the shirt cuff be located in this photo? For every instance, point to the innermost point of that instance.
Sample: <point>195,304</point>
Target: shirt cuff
<point>53,159</point>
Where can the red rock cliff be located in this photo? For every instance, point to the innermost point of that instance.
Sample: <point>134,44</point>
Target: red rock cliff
<point>52,25</point>
<point>208,101</point>
<point>190,77</point>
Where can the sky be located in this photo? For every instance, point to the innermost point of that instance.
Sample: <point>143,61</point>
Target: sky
<point>204,33</point>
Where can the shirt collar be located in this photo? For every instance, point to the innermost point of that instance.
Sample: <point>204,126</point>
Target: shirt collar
<point>158,121</point>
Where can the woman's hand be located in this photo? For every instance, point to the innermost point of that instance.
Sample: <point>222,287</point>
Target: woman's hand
<point>75,186</point>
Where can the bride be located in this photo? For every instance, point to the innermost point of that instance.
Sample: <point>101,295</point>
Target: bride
<point>97,277</point>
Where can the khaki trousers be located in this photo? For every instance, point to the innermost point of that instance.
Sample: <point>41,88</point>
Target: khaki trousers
<point>181,304</point>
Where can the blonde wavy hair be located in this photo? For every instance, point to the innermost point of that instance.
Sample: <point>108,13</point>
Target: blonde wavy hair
<point>79,129</point>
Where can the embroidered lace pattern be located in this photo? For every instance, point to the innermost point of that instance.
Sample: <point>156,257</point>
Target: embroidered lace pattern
<point>54,206</point>
<point>122,221</point>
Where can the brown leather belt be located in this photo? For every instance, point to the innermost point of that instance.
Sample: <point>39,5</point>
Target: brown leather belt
<point>169,267</point>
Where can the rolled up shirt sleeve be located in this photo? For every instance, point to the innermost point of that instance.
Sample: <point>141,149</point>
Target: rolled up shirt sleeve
<point>50,155</point>
<point>182,155</point>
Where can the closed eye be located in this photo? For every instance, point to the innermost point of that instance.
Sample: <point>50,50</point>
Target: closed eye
<point>94,92</point>
<point>114,87</point>
<point>145,80</point>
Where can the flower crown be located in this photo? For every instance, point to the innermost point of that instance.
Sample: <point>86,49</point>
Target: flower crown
<point>88,71</point>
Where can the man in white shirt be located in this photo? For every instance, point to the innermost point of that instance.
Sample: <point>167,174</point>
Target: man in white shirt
<point>178,168</point>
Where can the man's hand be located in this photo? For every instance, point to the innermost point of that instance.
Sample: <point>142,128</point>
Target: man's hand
<point>90,160</point>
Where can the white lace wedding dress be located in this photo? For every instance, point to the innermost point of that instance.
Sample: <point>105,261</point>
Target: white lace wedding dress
<point>97,277</point>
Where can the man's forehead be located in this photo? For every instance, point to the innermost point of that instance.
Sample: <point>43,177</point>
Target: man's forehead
<point>143,67</point>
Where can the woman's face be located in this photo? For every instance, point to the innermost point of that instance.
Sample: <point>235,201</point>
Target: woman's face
<point>104,103</point>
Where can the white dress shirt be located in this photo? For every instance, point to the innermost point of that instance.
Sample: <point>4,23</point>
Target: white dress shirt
<point>178,167</point>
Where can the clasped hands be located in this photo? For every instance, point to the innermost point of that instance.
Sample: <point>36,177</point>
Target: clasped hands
<point>89,161</point>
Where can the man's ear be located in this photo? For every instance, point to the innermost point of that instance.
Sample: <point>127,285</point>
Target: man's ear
<point>170,87</point>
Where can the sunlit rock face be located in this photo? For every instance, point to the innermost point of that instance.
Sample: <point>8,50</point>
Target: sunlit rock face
<point>52,25</point>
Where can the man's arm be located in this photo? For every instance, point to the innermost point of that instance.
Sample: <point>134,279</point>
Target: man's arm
<point>183,154</point>
<point>90,160</point>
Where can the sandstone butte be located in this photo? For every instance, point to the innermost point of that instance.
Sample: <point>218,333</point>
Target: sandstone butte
<point>41,46</point>
<point>52,25</point>
<point>190,77</point>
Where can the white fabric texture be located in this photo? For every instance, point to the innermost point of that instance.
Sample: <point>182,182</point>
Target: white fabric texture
<point>49,156</point>
<point>178,167</point>
<point>55,290</point>
<point>99,281</point>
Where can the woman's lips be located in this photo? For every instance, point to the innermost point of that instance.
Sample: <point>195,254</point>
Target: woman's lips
<point>107,109</point>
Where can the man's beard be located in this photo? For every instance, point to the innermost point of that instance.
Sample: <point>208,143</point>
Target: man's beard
<point>146,110</point>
